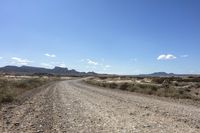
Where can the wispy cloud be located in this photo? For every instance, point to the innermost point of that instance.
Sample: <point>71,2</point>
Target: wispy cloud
<point>20,61</point>
<point>62,65</point>
<point>107,66</point>
<point>1,58</point>
<point>50,55</point>
<point>90,62</point>
<point>184,56</point>
<point>53,64</point>
<point>166,57</point>
<point>92,65</point>
<point>46,65</point>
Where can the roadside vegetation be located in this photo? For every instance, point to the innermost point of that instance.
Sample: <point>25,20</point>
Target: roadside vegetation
<point>173,87</point>
<point>11,88</point>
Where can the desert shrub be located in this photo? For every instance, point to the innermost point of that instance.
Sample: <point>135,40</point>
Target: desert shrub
<point>166,83</point>
<point>131,87</point>
<point>197,85</point>
<point>6,92</point>
<point>175,83</point>
<point>142,86</point>
<point>112,85</point>
<point>154,88</point>
<point>29,84</point>
<point>187,89</point>
<point>158,80</point>
<point>181,92</point>
<point>167,87</point>
<point>102,78</point>
<point>5,98</point>
<point>124,86</point>
<point>189,79</point>
<point>21,84</point>
<point>102,84</point>
<point>90,81</point>
<point>140,78</point>
<point>145,88</point>
<point>167,92</point>
<point>148,86</point>
<point>9,89</point>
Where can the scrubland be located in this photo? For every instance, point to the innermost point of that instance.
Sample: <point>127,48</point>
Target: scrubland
<point>174,87</point>
<point>12,86</point>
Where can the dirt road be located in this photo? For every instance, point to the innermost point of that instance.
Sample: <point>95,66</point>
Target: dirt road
<point>72,106</point>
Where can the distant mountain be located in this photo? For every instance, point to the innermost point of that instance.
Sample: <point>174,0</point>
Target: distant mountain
<point>160,74</point>
<point>28,70</point>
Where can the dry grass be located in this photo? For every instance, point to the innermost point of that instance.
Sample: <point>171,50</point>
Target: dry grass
<point>10,89</point>
<point>174,87</point>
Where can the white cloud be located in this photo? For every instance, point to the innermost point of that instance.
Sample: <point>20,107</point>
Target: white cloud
<point>52,64</point>
<point>1,58</point>
<point>50,55</point>
<point>107,66</point>
<point>62,65</point>
<point>92,62</point>
<point>20,61</point>
<point>184,56</point>
<point>46,65</point>
<point>166,57</point>
<point>92,65</point>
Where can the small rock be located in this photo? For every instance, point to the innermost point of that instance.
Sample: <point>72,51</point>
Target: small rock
<point>148,114</point>
<point>39,131</point>
<point>7,122</point>
<point>17,124</point>
<point>33,126</point>
<point>146,126</point>
<point>131,113</point>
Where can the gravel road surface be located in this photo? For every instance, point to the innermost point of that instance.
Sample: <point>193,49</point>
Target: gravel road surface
<point>75,107</point>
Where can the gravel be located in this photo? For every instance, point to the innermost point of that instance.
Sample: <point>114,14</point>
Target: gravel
<point>72,106</point>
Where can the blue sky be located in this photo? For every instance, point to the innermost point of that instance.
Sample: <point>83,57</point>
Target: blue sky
<point>107,36</point>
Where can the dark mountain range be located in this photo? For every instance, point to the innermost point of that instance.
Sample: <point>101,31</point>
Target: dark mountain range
<point>28,70</point>
<point>160,74</point>
<point>164,74</point>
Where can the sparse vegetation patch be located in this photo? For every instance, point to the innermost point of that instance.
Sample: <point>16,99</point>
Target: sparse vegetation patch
<point>11,88</point>
<point>174,87</point>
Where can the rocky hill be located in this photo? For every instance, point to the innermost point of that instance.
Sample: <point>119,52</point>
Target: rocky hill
<point>29,70</point>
